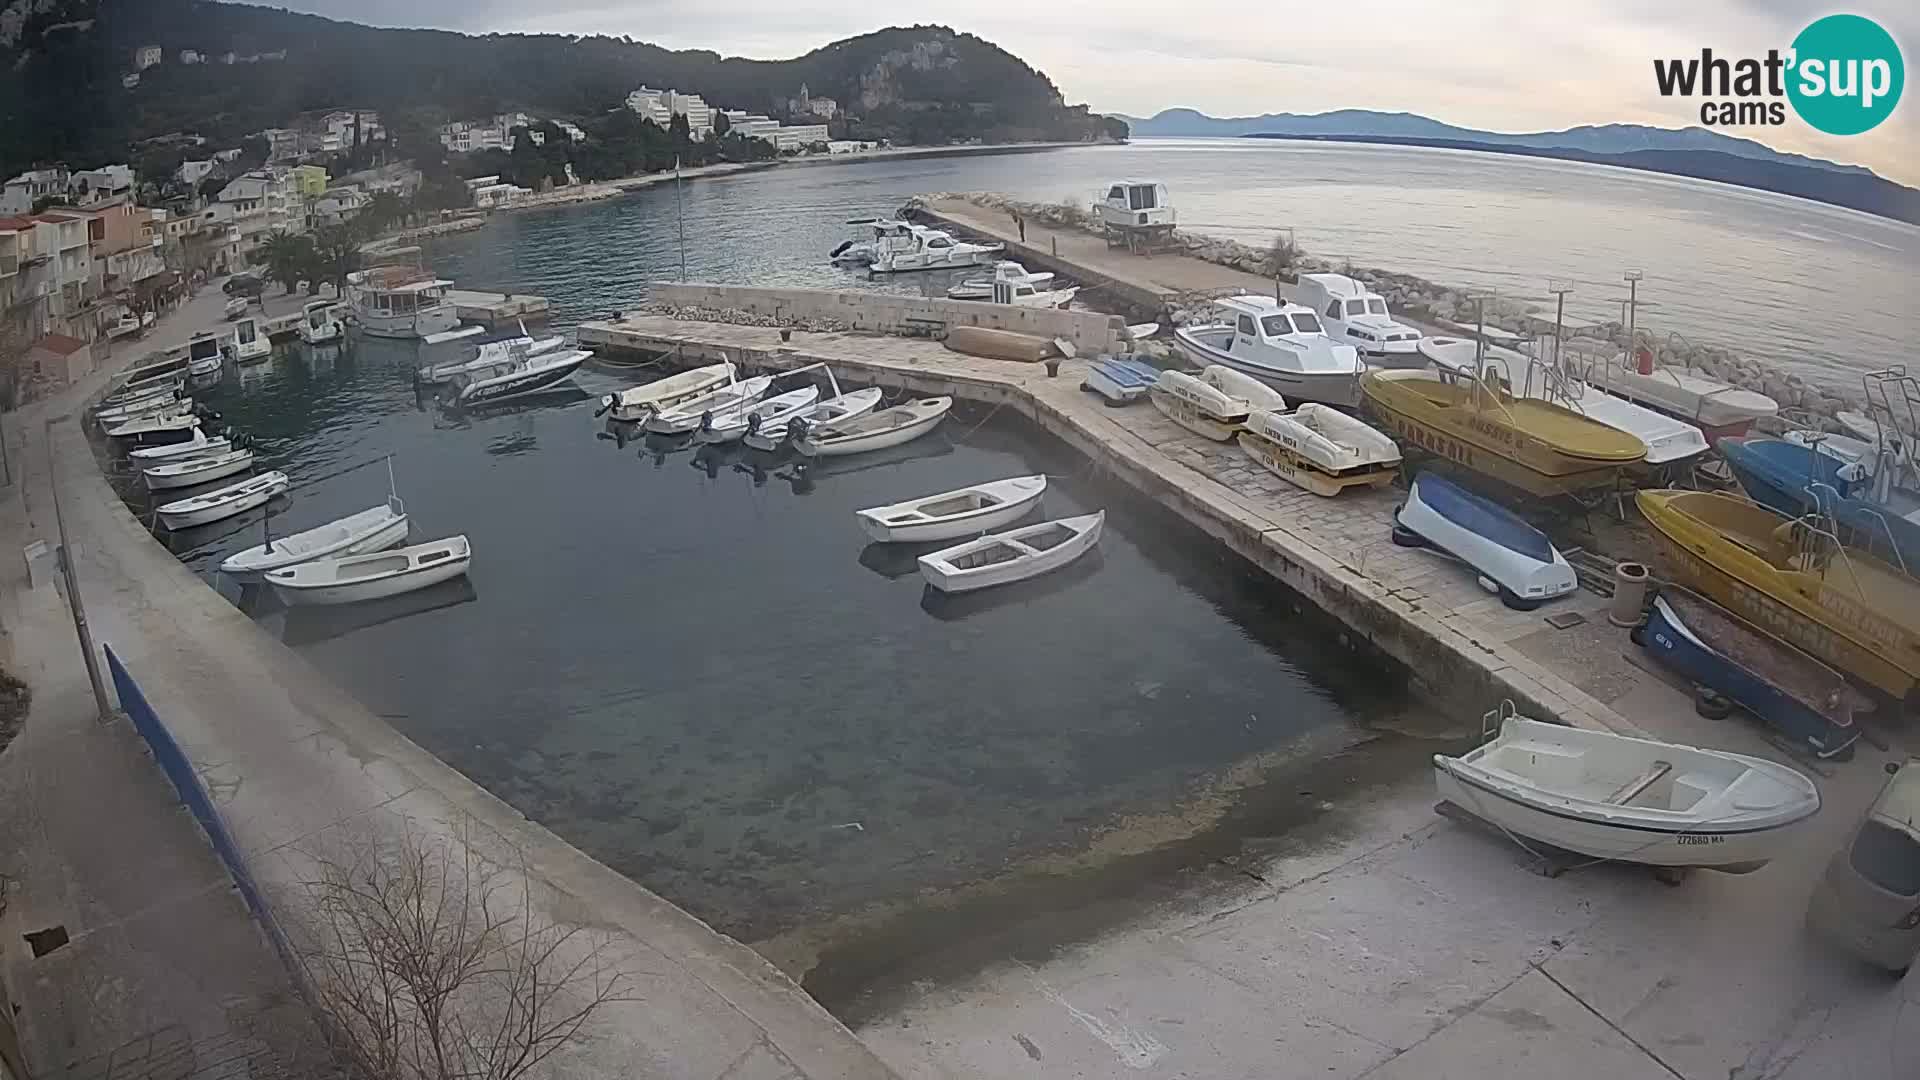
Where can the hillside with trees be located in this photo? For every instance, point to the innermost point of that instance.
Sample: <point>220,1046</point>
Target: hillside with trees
<point>62,63</point>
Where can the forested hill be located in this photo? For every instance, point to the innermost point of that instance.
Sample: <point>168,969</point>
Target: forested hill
<point>62,61</point>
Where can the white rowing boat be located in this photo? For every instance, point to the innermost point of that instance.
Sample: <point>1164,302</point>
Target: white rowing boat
<point>954,514</point>
<point>846,407</point>
<point>1004,558</point>
<point>876,431</point>
<point>1631,800</point>
<point>197,446</point>
<point>186,472</point>
<point>639,402</point>
<point>166,405</point>
<point>729,425</point>
<point>373,529</point>
<point>164,427</point>
<point>374,576</point>
<point>224,502</point>
<point>685,416</point>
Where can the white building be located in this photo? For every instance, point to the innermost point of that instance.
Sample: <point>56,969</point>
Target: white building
<point>147,56</point>
<point>97,187</point>
<point>651,104</point>
<point>337,129</point>
<point>336,206</point>
<point>192,172</point>
<point>797,136</point>
<point>573,130</point>
<point>24,190</point>
<point>254,207</point>
<point>283,144</point>
<point>495,196</point>
<point>752,125</point>
<point>661,106</point>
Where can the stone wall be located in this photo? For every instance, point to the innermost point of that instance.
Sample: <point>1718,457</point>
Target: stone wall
<point>857,309</point>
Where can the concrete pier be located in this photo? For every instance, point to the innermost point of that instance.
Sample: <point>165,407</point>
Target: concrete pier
<point>1418,608</point>
<point>495,310</point>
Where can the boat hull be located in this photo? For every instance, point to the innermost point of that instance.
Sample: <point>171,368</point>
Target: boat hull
<point>208,473</point>
<point>1190,416</point>
<point>641,402</point>
<point>1484,535</point>
<point>1121,382</point>
<point>359,591</point>
<point>1301,471</point>
<point>1341,388</point>
<point>520,384</point>
<point>813,445</point>
<point>323,335</point>
<point>389,534</point>
<point>188,519</point>
<point>952,528</point>
<point>938,572</point>
<point>1795,479</point>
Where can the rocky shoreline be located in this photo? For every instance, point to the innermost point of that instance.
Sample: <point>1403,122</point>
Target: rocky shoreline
<point>1807,405</point>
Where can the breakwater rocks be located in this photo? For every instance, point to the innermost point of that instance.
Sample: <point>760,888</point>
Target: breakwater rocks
<point>737,317</point>
<point>1434,302</point>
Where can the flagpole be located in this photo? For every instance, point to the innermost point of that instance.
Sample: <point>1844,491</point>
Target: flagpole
<point>680,211</point>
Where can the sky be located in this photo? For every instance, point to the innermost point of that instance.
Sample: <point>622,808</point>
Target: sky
<point>1504,65</point>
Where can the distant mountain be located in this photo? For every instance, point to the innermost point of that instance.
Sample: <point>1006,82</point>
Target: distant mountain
<point>1595,139</point>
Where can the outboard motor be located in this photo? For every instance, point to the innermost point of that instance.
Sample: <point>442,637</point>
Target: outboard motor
<point>753,423</point>
<point>706,420</point>
<point>835,253</point>
<point>796,429</point>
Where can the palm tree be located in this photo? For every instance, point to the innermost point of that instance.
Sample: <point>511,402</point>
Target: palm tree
<point>333,254</point>
<point>287,258</point>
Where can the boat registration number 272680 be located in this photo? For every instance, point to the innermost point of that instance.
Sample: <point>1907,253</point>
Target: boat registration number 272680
<point>1700,838</point>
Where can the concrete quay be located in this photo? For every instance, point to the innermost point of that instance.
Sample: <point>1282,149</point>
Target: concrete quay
<point>1464,646</point>
<point>495,310</point>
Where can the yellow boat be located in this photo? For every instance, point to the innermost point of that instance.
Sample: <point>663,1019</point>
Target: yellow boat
<point>1797,581</point>
<point>1536,446</point>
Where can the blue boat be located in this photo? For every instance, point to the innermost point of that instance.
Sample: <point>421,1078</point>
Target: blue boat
<point>1796,480</point>
<point>1120,379</point>
<point>1518,559</point>
<point>1802,698</point>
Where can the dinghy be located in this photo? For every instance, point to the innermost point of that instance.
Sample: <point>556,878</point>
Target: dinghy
<point>1514,559</point>
<point>727,426</point>
<point>166,405</point>
<point>373,529</point>
<point>639,402</point>
<point>1200,407</point>
<point>166,389</point>
<point>167,427</point>
<point>875,431</point>
<point>1800,697</point>
<point>954,514</point>
<point>1320,449</point>
<point>198,446</point>
<point>685,416</point>
<point>223,503</point>
<point>847,407</point>
<point>372,576</point>
<point>1122,380</point>
<point>1003,558</point>
<point>189,471</point>
<point>1608,796</point>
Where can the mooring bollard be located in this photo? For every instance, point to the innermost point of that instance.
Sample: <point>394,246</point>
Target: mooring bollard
<point>1629,594</point>
<point>1056,246</point>
<point>786,333</point>
<point>1053,367</point>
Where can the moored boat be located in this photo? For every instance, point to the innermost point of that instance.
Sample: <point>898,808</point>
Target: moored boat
<point>684,416</point>
<point>400,302</point>
<point>161,428</point>
<point>223,503</point>
<point>1016,555</point>
<point>162,405</point>
<point>488,354</point>
<point>1320,449</point>
<point>770,433</point>
<point>1795,579</point>
<point>875,431</point>
<point>1516,559</point>
<point>318,325</point>
<point>1802,698</point>
<point>1612,797</point>
<point>1121,380</point>
<point>250,345</point>
<point>1011,284</point>
<point>372,576</point>
<point>189,471</point>
<point>950,515</point>
<point>517,377</point>
<point>199,445</point>
<point>1282,345</point>
<point>731,424</point>
<point>639,402</point>
<point>374,529</point>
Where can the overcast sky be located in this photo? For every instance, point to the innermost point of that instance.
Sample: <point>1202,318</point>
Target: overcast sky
<point>1507,65</point>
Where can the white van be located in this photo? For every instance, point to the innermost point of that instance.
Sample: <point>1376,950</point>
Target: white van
<point>1869,901</point>
<point>1357,316</point>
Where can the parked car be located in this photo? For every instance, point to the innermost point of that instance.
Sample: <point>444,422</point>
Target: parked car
<point>244,284</point>
<point>1869,901</point>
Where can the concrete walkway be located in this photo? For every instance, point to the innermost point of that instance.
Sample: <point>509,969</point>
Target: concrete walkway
<point>297,767</point>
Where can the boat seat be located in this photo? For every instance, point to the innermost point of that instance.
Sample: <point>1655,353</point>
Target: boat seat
<point>1636,787</point>
<point>1549,766</point>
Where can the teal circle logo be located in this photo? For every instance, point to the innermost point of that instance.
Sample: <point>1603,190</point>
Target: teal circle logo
<point>1847,74</point>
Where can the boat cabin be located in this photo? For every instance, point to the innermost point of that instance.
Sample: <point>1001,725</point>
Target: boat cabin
<point>204,347</point>
<point>1135,203</point>
<point>397,291</point>
<point>318,314</point>
<point>1352,313</point>
<point>1262,326</point>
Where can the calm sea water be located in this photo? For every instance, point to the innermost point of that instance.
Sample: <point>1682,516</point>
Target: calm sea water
<point>1820,291</point>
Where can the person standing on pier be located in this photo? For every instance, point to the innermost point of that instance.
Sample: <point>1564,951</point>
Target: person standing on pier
<point>1019,223</point>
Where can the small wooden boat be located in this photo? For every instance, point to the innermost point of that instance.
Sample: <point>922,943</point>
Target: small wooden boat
<point>517,377</point>
<point>197,446</point>
<point>731,424</point>
<point>1535,446</point>
<point>154,368</point>
<point>164,405</point>
<point>164,428</point>
<point>769,435</point>
<point>639,402</point>
<point>373,529</point>
<point>166,388</point>
<point>1320,449</point>
<point>875,431</point>
<point>950,515</point>
<point>1802,698</point>
<point>224,502</point>
<point>189,471</point>
<point>1514,558</point>
<point>1121,380</point>
<point>1796,579</point>
<point>683,417</point>
<point>1608,796</point>
<point>372,576</point>
<point>1003,558</point>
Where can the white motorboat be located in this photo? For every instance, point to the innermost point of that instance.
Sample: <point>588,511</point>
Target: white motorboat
<point>374,576</point>
<point>953,514</point>
<point>400,302</point>
<point>1010,283</point>
<point>727,426</point>
<point>318,325</point>
<point>1514,559</point>
<point>223,503</point>
<point>373,529</point>
<point>1320,448</point>
<point>1722,409</point>
<point>772,432</point>
<point>639,402</point>
<point>1863,456</point>
<point>489,354</point>
<point>857,252</point>
<point>199,445</point>
<point>903,247</point>
<point>518,377</point>
<point>1003,558</point>
<point>250,346</point>
<point>1357,315</point>
<point>1282,345</point>
<point>1134,204</point>
<point>205,356</point>
<point>877,430</point>
<point>1668,440</point>
<point>166,427</point>
<point>189,471</point>
<point>1215,403</point>
<point>1612,797</point>
<point>685,416</point>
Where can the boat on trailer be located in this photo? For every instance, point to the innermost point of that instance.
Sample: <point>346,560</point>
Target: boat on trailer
<point>1282,345</point>
<point>1121,380</point>
<point>950,515</point>
<point>1320,448</point>
<point>223,503</point>
<point>1514,559</point>
<point>875,431</point>
<point>374,529</point>
<point>1877,518</point>
<point>1004,558</point>
<point>639,402</point>
<point>1718,408</point>
<point>1622,799</point>
<point>372,576</point>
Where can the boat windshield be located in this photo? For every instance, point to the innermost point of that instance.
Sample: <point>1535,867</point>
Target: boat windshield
<point>1306,324</point>
<point>1376,306</point>
<point>1275,325</point>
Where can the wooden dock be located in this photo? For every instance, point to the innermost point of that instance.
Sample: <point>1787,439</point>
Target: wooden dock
<point>495,310</point>
<point>1416,607</point>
